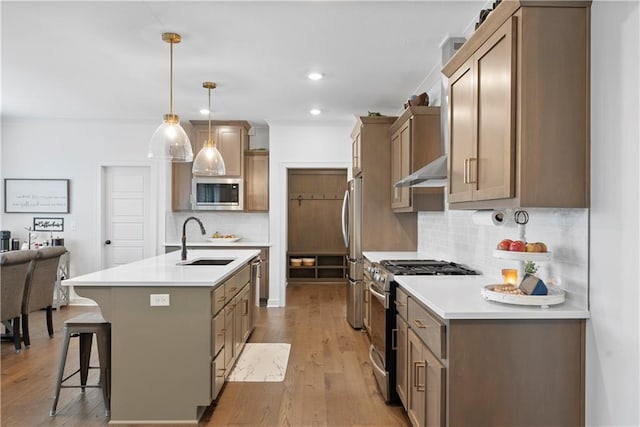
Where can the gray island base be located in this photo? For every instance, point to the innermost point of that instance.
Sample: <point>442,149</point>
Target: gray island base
<point>168,362</point>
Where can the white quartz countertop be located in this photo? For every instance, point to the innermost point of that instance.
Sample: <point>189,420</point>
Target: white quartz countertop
<point>458,297</point>
<point>207,244</point>
<point>162,270</point>
<point>379,256</point>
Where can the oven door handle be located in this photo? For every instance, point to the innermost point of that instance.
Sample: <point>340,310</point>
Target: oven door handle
<point>372,351</point>
<point>382,297</point>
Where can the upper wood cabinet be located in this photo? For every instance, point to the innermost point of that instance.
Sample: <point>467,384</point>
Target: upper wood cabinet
<point>256,178</point>
<point>231,139</point>
<point>415,141</point>
<point>519,109</point>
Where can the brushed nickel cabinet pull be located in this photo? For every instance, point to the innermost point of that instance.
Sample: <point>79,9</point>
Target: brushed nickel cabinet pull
<point>419,323</point>
<point>475,170</point>
<point>394,339</point>
<point>465,171</point>
<point>420,387</point>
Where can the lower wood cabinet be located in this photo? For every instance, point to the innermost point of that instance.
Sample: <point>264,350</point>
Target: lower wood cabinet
<point>230,325</point>
<point>488,372</point>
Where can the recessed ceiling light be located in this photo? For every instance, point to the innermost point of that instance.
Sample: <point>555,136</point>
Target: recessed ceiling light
<point>204,111</point>
<point>315,76</point>
<point>315,111</point>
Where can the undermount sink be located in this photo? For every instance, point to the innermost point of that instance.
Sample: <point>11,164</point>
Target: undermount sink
<point>207,261</point>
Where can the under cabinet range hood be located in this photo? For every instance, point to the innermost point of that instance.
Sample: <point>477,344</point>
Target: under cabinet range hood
<point>433,174</point>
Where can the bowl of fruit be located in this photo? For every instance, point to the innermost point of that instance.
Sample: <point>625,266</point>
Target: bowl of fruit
<point>521,250</point>
<point>223,238</point>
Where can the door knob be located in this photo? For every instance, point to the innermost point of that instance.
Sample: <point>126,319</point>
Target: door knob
<point>107,242</point>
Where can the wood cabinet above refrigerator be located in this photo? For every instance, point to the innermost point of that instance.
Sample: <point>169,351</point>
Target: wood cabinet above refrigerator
<point>519,109</point>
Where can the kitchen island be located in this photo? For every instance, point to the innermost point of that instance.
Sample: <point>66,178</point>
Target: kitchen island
<point>176,331</point>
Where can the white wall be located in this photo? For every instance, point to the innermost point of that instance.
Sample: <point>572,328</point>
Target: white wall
<point>452,235</point>
<point>613,354</point>
<point>297,146</point>
<point>71,150</point>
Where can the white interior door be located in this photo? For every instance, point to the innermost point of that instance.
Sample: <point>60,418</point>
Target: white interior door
<point>127,225</point>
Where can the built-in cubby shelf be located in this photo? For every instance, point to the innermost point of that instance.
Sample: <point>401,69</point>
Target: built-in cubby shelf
<point>318,267</point>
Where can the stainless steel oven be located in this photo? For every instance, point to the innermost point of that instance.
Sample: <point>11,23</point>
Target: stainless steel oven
<point>379,278</point>
<point>380,316</point>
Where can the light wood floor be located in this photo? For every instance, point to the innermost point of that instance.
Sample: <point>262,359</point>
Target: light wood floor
<point>329,381</point>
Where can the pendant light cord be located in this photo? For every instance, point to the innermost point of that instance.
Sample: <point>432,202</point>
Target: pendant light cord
<point>209,143</point>
<point>171,78</point>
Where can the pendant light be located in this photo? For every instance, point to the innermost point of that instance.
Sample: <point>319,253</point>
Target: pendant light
<point>170,141</point>
<point>209,161</point>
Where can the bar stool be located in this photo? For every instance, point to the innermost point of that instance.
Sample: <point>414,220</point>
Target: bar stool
<point>84,326</point>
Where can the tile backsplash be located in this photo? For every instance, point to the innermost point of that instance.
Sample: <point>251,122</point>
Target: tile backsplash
<point>252,227</point>
<point>452,235</point>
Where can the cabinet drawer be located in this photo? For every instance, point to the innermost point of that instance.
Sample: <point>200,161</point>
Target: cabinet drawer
<point>235,283</point>
<point>428,327</point>
<point>401,303</point>
<point>218,298</point>
<point>217,333</point>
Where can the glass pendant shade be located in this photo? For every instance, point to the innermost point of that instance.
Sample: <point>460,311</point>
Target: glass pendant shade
<point>170,142</point>
<point>209,161</point>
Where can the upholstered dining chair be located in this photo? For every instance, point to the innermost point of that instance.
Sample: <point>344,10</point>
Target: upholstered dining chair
<point>39,292</point>
<point>15,269</point>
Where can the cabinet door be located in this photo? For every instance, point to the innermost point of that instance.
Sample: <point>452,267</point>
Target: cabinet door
<point>492,167</point>
<point>400,165</point>
<point>356,155</point>
<point>237,326</point>
<point>246,319</point>
<point>230,144</point>
<point>257,181</point>
<point>217,329</point>
<point>401,359</point>
<point>435,380</point>
<point>416,400</point>
<point>229,346</point>
<point>461,132</point>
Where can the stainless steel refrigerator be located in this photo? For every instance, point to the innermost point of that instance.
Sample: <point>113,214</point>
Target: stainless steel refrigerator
<point>352,235</point>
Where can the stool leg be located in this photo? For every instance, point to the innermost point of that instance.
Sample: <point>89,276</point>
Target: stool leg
<point>103,338</point>
<point>50,321</point>
<point>85,357</point>
<point>16,334</point>
<point>61,363</point>
<point>25,330</point>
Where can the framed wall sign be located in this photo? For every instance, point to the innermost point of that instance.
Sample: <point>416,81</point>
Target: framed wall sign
<point>48,224</point>
<point>36,195</point>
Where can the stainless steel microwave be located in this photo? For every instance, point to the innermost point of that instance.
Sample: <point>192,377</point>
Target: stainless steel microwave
<point>217,194</point>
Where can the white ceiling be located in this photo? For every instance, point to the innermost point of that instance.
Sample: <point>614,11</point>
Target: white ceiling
<point>106,60</point>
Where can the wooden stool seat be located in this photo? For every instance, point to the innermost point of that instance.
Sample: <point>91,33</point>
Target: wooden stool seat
<point>85,326</point>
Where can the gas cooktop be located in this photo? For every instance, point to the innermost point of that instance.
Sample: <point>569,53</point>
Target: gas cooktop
<point>425,267</point>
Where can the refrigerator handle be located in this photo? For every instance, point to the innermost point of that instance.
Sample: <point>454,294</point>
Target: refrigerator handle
<point>345,219</point>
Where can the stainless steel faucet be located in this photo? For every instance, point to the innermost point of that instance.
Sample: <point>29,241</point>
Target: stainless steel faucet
<point>183,255</point>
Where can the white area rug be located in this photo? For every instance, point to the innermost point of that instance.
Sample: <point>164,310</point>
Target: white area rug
<point>261,362</point>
